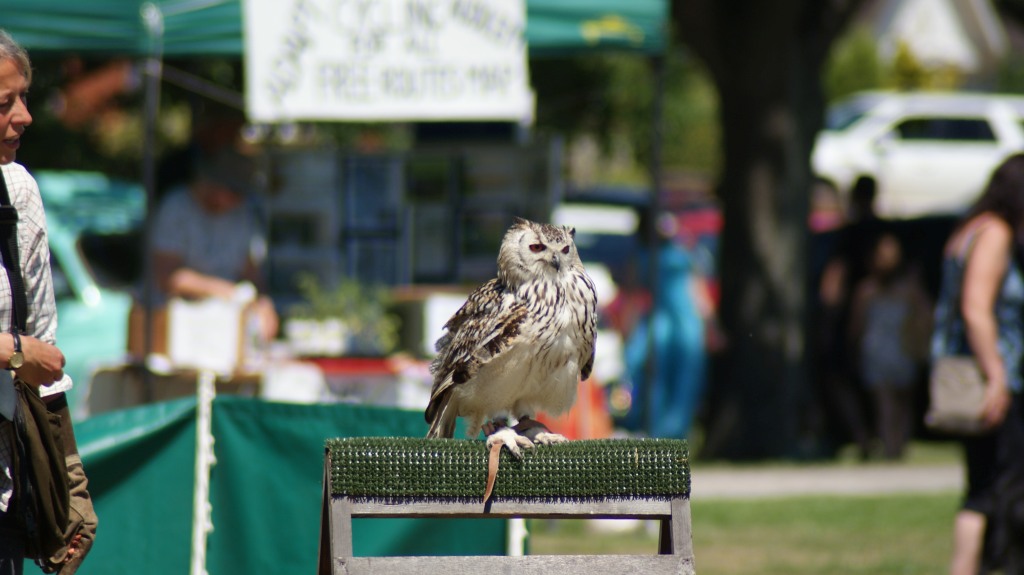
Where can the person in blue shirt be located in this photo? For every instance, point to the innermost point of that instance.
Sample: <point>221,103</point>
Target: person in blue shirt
<point>668,390</point>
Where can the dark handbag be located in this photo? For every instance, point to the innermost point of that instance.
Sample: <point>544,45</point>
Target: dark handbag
<point>41,491</point>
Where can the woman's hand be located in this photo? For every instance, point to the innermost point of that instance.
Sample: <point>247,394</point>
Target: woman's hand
<point>996,404</point>
<point>44,363</point>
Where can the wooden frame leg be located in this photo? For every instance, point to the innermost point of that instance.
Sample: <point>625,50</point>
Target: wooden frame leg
<point>675,537</point>
<point>324,560</point>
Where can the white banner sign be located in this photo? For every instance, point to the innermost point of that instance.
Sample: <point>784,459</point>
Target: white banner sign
<point>386,60</point>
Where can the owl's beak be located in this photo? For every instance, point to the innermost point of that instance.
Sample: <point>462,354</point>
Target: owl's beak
<point>556,263</point>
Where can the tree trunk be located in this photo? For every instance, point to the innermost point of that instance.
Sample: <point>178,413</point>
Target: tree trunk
<point>763,277</point>
<point>766,60</point>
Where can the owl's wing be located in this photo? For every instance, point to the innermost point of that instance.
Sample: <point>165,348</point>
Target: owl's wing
<point>486,325</point>
<point>588,347</point>
<point>588,359</point>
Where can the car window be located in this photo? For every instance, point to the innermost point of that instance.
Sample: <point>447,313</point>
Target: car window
<point>841,119</point>
<point>955,129</point>
<point>844,114</point>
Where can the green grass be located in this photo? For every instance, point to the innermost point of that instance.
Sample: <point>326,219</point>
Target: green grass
<point>883,535</point>
<point>933,452</point>
<point>917,453</point>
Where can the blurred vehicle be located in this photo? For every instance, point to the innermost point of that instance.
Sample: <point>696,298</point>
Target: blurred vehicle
<point>92,320</point>
<point>89,215</point>
<point>929,153</point>
<point>606,222</point>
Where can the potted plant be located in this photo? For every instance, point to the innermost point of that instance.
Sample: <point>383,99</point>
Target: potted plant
<point>350,318</point>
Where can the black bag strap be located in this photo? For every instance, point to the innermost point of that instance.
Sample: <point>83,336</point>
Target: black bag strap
<point>954,300</point>
<point>12,259</point>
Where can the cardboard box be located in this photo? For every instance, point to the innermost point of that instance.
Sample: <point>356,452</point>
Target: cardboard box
<point>209,334</point>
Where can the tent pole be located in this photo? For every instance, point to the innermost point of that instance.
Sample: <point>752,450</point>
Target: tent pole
<point>153,22</point>
<point>152,67</point>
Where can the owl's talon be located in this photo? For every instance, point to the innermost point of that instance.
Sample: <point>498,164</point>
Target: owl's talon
<point>509,438</point>
<point>547,438</point>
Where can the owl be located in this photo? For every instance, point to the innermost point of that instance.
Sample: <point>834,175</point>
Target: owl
<point>519,344</point>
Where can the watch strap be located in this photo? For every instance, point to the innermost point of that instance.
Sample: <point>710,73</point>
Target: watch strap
<point>17,359</point>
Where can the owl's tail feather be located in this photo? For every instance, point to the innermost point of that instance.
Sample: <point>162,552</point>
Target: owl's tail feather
<point>443,424</point>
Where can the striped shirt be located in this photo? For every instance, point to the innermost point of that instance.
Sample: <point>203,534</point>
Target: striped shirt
<point>41,323</point>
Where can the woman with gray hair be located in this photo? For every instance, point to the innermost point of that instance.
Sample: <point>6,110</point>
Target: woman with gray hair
<point>31,357</point>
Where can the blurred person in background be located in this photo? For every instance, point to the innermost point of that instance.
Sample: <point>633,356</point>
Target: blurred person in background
<point>208,240</point>
<point>667,394</point>
<point>986,321</point>
<point>844,269</point>
<point>890,325</point>
<point>215,128</point>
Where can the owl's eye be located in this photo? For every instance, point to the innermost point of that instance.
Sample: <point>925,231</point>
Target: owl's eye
<point>536,248</point>
<point>565,250</point>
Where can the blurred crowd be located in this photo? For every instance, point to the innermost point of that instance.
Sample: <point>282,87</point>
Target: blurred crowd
<point>892,298</point>
<point>873,327</point>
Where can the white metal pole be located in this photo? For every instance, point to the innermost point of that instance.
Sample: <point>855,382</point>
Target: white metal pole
<point>202,517</point>
<point>515,545</point>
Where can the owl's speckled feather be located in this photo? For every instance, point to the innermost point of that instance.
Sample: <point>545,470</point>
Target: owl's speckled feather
<point>522,340</point>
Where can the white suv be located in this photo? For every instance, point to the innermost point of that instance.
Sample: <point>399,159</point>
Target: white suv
<point>928,152</point>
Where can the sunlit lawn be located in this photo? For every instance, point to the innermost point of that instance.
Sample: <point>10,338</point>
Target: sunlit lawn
<point>833,535</point>
<point>905,534</point>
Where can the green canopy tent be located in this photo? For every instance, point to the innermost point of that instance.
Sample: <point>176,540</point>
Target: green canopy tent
<point>214,27</point>
<point>158,29</point>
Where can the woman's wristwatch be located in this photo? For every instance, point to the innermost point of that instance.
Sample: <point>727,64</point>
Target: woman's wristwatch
<point>17,358</point>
